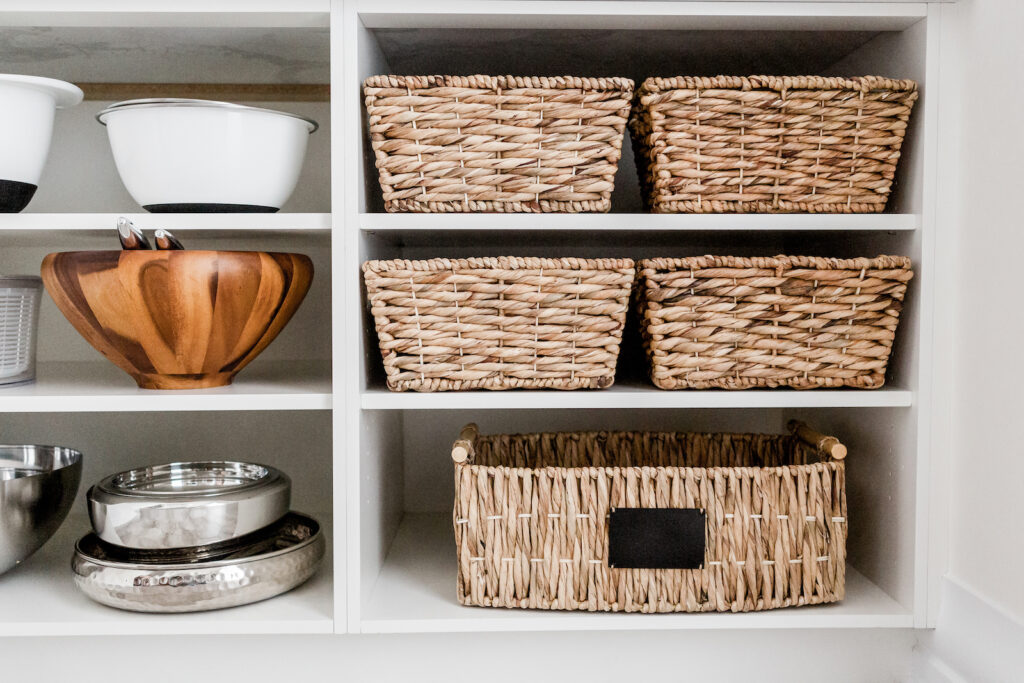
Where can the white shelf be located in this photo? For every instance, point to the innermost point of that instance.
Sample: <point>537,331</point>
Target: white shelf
<point>101,387</point>
<point>207,13</point>
<point>415,592</point>
<point>635,395</point>
<point>467,14</point>
<point>104,223</point>
<point>638,221</point>
<point>40,598</point>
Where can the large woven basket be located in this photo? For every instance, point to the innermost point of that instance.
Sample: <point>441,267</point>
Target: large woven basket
<point>497,143</point>
<point>499,323</point>
<point>767,144</point>
<point>798,321</point>
<point>541,518</point>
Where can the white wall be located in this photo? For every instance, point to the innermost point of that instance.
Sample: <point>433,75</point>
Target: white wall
<point>981,615</point>
<point>987,478</point>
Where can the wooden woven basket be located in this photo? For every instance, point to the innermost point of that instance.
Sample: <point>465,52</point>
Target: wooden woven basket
<point>499,323</point>
<point>767,144</point>
<point>797,321</point>
<point>538,516</point>
<point>497,143</point>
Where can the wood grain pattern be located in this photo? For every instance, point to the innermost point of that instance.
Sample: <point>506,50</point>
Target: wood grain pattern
<point>178,319</point>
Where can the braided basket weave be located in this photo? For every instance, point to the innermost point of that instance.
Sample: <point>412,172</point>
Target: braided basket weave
<point>499,323</point>
<point>767,144</point>
<point>798,321</point>
<point>532,531</point>
<point>497,143</point>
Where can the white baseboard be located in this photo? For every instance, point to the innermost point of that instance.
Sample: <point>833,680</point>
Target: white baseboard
<point>928,668</point>
<point>975,641</point>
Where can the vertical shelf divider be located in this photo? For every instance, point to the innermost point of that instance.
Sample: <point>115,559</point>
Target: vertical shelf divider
<point>342,423</point>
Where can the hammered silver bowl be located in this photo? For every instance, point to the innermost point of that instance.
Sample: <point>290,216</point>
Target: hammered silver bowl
<point>37,487</point>
<point>188,504</point>
<point>287,557</point>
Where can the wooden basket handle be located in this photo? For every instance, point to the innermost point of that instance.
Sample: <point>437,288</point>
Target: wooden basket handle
<point>827,446</point>
<point>463,450</point>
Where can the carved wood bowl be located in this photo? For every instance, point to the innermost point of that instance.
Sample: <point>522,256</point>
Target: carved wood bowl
<point>178,319</point>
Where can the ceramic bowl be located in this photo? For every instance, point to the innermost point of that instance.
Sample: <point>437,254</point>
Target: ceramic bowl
<point>180,155</point>
<point>27,107</point>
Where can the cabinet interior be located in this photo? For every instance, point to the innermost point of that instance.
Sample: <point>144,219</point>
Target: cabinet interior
<point>674,46</point>
<point>376,467</point>
<point>404,468</point>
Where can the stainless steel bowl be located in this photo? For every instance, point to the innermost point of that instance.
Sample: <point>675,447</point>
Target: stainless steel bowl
<point>187,504</point>
<point>286,558</point>
<point>37,486</point>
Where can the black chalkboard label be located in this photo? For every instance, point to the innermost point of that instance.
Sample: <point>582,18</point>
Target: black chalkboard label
<point>656,538</point>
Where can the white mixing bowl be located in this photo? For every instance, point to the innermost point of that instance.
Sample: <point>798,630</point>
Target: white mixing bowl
<point>179,155</point>
<point>27,106</point>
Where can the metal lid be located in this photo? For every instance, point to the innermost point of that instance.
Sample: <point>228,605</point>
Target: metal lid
<point>22,281</point>
<point>64,94</point>
<point>154,102</point>
<point>187,504</point>
<point>189,481</point>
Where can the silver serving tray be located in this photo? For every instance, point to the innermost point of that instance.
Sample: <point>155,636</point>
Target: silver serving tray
<point>188,504</point>
<point>270,566</point>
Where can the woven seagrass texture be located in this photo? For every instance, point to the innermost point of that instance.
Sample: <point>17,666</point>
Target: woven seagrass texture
<point>797,321</point>
<point>531,527</point>
<point>767,144</point>
<point>499,323</point>
<point>497,143</point>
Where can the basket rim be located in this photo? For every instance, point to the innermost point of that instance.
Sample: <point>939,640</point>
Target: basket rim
<point>881,262</point>
<point>495,262</point>
<point>775,83</point>
<point>614,469</point>
<point>639,468</point>
<point>485,82</point>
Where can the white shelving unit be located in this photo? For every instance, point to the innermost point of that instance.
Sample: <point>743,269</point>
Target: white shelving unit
<point>635,395</point>
<point>400,545</point>
<point>279,410</point>
<point>406,222</point>
<point>414,594</point>
<point>41,600</point>
<point>103,223</point>
<point>375,463</point>
<point>98,386</point>
<point>93,230</point>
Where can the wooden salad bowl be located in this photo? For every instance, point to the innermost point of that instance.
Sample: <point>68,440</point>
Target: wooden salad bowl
<point>178,319</point>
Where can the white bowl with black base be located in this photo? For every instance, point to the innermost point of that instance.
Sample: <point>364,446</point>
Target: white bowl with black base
<point>198,156</point>
<point>27,107</point>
